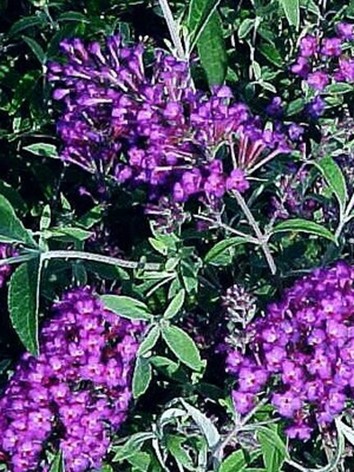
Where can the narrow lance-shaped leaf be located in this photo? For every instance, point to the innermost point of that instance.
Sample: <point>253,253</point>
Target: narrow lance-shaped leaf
<point>127,307</point>
<point>199,14</point>
<point>298,225</point>
<point>23,303</point>
<point>292,11</point>
<point>69,234</point>
<point>36,49</point>
<point>13,196</point>
<point>149,341</point>
<point>235,461</point>
<point>273,449</point>
<point>175,445</point>
<point>27,22</point>
<point>73,16</point>
<point>43,150</point>
<point>142,376</point>
<point>347,431</point>
<point>182,346</point>
<point>23,90</point>
<point>339,88</point>
<point>176,305</point>
<point>245,27</point>
<point>11,228</point>
<point>58,464</point>
<point>46,218</point>
<point>131,446</point>
<point>334,178</point>
<point>205,425</point>
<point>212,51</point>
<point>220,253</point>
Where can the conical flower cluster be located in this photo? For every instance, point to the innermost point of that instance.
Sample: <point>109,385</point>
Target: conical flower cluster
<point>76,393</point>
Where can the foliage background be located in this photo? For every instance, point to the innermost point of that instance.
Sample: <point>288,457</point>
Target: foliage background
<point>252,47</point>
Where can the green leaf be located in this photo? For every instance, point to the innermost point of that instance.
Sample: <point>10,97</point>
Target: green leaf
<point>175,446</point>
<point>91,218</point>
<point>127,307</point>
<point>257,70</point>
<point>273,449</point>
<point>212,51</point>
<point>141,461</point>
<point>11,228</point>
<point>142,376</point>
<point>58,464</point>
<point>23,304</point>
<point>234,462</point>
<point>24,89</point>
<point>43,150</point>
<point>205,425</point>
<point>159,246</point>
<point>299,225</point>
<point>271,53</point>
<point>199,14</point>
<point>35,48</point>
<point>69,234</point>
<point>346,431</point>
<point>245,27</point>
<point>182,346</point>
<point>310,6</point>
<point>292,11</point>
<point>73,16</point>
<point>334,178</point>
<point>133,444</point>
<point>27,22</point>
<point>176,305</point>
<point>13,196</point>
<point>46,218</point>
<point>220,254</point>
<point>339,88</point>
<point>149,341</point>
<point>295,107</point>
<point>165,365</point>
<point>254,469</point>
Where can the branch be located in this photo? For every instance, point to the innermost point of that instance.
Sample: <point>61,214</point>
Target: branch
<point>89,256</point>
<point>253,223</point>
<point>172,28</point>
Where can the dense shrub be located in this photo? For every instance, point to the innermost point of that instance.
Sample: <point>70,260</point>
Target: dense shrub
<point>176,260</point>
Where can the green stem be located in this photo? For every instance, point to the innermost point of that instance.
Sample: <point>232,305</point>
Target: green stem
<point>239,426</point>
<point>344,217</point>
<point>260,237</point>
<point>226,227</point>
<point>17,259</point>
<point>89,256</point>
<point>172,27</point>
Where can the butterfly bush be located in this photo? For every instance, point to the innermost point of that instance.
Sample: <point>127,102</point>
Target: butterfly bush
<point>75,393</point>
<point>304,348</point>
<point>140,119</point>
<point>322,61</point>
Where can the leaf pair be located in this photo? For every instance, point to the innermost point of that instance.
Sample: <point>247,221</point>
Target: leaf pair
<point>177,340</point>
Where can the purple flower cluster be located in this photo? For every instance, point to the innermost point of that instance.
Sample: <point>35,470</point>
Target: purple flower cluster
<point>6,251</point>
<point>75,393</point>
<point>147,124</point>
<point>304,346</point>
<point>326,60</point>
<point>291,199</point>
